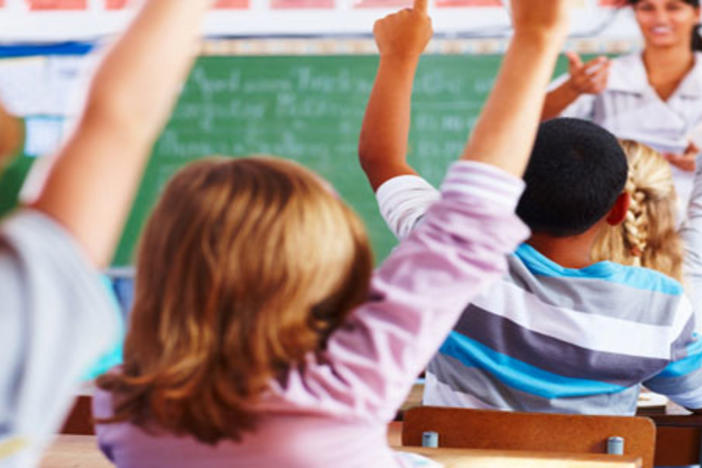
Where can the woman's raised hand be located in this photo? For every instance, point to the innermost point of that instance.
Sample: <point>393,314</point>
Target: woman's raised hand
<point>590,77</point>
<point>686,161</point>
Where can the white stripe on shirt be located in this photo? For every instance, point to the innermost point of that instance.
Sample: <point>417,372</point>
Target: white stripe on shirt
<point>595,332</point>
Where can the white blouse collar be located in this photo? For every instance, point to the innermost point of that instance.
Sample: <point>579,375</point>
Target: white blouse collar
<point>628,74</point>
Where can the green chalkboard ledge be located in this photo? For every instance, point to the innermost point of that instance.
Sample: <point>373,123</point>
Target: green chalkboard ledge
<point>440,44</point>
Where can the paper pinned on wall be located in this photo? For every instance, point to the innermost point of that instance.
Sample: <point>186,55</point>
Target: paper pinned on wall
<point>40,85</point>
<point>43,135</point>
<point>23,85</point>
<point>66,82</point>
<point>43,91</point>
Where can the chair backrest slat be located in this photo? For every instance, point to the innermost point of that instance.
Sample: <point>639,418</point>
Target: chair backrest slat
<point>498,430</point>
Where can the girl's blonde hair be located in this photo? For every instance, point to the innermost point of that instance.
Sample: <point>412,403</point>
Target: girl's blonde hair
<point>244,267</point>
<point>647,237</point>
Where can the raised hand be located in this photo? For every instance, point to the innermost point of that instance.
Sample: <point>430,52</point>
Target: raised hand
<point>505,131</point>
<point>590,77</point>
<point>551,16</point>
<point>405,33</point>
<point>686,161</point>
<point>382,146</point>
<point>91,184</point>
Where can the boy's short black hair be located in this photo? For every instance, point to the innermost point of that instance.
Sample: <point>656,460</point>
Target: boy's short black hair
<point>576,172</point>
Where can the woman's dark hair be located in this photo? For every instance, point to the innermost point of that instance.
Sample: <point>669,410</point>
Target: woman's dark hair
<point>696,37</point>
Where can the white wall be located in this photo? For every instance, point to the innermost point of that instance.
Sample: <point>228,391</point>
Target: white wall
<point>18,23</point>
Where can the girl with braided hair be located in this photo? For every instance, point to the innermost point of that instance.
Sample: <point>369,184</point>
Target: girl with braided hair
<point>648,236</point>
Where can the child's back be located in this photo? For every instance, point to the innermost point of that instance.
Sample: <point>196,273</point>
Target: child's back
<point>293,440</point>
<point>558,333</point>
<point>554,339</point>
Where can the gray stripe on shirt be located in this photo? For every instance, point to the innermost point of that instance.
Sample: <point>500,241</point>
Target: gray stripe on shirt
<point>539,350</point>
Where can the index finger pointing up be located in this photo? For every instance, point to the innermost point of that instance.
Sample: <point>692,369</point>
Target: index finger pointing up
<point>574,59</point>
<point>421,5</point>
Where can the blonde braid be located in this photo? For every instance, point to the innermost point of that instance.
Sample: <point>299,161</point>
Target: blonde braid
<point>647,237</point>
<point>635,224</point>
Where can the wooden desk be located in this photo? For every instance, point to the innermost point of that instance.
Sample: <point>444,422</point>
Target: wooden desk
<point>455,458</point>
<point>75,451</point>
<point>414,399</point>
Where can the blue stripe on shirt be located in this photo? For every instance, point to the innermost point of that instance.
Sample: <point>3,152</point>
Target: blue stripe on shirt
<point>520,375</point>
<point>686,365</point>
<point>634,277</point>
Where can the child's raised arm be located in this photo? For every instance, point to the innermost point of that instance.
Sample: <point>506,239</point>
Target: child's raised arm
<point>401,39</point>
<point>505,132</point>
<point>507,126</point>
<point>93,179</point>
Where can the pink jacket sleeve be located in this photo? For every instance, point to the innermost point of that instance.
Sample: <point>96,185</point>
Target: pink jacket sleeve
<point>417,296</point>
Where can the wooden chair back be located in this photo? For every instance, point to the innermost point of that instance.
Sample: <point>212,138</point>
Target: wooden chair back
<point>79,420</point>
<point>499,430</point>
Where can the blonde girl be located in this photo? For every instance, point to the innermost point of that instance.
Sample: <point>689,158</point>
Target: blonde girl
<point>648,235</point>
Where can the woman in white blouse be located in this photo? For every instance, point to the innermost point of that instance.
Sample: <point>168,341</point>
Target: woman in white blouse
<point>654,97</point>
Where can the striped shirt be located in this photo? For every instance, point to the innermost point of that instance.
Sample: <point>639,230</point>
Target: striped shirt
<point>55,320</point>
<point>552,339</point>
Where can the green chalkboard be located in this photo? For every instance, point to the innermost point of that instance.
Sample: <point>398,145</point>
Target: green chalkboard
<point>308,108</point>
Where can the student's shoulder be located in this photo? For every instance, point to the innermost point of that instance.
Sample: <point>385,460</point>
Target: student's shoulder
<point>405,183</point>
<point>26,224</point>
<point>54,278</point>
<point>614,274</point>
<point>37,239</point>
<point>103,401</point>
<point>646,280</point>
